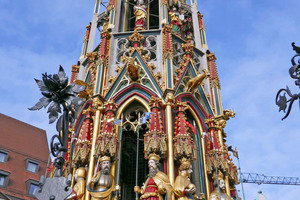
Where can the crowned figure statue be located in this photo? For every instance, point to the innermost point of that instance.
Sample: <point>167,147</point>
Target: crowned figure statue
<point>157,185</point>
<point>219,194</point>
<point>102,185</point>
<point>183,188</point>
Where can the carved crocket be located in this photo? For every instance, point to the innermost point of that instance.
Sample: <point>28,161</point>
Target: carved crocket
<point>133,70</point>
<point>196,81</point>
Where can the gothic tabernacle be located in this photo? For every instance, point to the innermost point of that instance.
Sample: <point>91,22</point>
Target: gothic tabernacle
<point>151,125</point>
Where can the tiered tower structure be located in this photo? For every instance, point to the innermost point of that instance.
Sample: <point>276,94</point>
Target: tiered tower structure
<point>152,64</point>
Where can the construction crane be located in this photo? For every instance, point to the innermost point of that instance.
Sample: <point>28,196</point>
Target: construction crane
<point>262,179</point>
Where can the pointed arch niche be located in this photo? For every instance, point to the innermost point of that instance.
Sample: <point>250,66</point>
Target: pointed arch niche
<point>131,110</point>
<point>199,177</point>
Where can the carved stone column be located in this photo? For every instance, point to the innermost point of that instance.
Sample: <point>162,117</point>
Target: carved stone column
<point>170,99</point>
<point>97,104</point>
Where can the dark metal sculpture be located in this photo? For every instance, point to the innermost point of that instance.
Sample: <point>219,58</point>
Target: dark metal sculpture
<point>294,72</point>
<point>57,92</point>
<point>57,188</point>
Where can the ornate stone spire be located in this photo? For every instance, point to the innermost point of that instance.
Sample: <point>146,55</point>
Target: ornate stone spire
<point>92,57</point>
<point>83,140</point>
<point>183,142</point>
<point>155,138</point>
<point>107,139</point>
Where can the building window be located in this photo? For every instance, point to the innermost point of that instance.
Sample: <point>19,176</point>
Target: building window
<point>31,187</point>
<point>4,177</point>
<point>32,166</point>
<point>3,156</point>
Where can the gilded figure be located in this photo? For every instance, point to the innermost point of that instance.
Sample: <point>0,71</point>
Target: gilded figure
<point>219,194</point>
<point>79,187</point>
<point>102,184</point>
<point>133,70</point>
<point>175,20</point>
<point>140,12</point>
<point>157,185</point>
<point>193,83</point>
<point>183,188</point>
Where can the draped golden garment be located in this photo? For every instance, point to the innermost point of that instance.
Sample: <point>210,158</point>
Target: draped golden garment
<point>79,188</point>
<point>163,183</point>
<point>181,183</point>
<point>103,195</point>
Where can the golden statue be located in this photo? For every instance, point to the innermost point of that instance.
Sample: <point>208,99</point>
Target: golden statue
<point>79,187</point>
<point>133,70</point>
<point>87,93</point>
<point>219,181</point>
<point>183,188</point>
<point>157,184</point>
<point>175,20</point>
<point>196,81</point>
<point>140,12</point>
<point>102,184</point>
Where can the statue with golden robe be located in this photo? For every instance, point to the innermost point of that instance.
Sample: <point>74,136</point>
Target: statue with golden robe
<point>102,185</point>
<point>140,12</point>
<point>219,194</point>
<point>157,185</point>
<point>79,187</point>
<point>183,188</point>
<point>175,20</point>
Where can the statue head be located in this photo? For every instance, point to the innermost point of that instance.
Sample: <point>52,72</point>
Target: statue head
<point>185,167</point>
<point>219,180</point>
<point>141,2</point>
<point>80,173</point>
<point>153,164</point>
<point>131,61</point>
<point>222,184</point>
<point>105,164</point>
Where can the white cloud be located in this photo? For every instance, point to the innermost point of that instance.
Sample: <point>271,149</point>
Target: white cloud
<point>37,37</point>
<point>253,47</point>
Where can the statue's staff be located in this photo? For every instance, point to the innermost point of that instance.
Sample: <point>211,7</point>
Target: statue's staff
<point>137,157</point>
<point>97,165</point>
<point>215,162</point>
<point>119,161</point>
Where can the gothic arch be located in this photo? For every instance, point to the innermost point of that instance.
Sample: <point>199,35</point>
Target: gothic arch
<point>200,143</point>
<point>131,146</point>
<point>128,101</point>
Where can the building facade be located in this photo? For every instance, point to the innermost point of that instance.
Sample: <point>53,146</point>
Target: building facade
<point>24,155</point>
<point>152,94</point>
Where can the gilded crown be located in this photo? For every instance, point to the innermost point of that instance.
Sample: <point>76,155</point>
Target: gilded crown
<point>154,156</point>
<point>220,176</point>
<point>185,163</point>
<point>104,158</point>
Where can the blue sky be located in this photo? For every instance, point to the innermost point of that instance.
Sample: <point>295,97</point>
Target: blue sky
<point>252,42</point>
